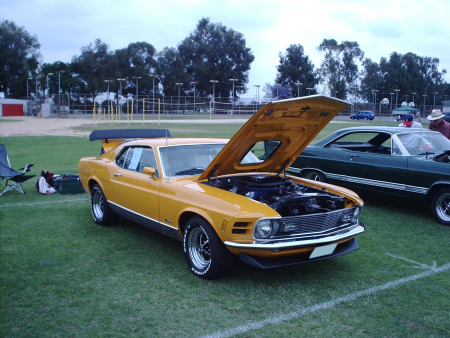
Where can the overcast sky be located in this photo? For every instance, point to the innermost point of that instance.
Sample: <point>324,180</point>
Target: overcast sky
<point>269,27</point>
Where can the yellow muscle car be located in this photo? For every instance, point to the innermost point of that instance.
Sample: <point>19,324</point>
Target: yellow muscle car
<point>225,198</point>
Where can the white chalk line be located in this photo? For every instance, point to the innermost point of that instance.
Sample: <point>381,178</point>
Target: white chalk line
<point>432,270</point>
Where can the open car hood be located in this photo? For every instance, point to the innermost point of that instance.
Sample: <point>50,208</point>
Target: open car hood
<point>290,124</point>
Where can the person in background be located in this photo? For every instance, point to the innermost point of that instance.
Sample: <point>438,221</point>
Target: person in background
<point>408,121</point>
<point>437,123</point>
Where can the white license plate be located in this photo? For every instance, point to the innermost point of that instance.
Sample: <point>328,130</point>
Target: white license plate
<point>323,250</point>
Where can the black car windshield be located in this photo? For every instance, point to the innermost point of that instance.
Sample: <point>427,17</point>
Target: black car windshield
<point>416,143</point>
<point>192,159</point>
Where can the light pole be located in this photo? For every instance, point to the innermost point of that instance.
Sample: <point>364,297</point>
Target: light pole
<point>108,82</point>
<point>298,84</point>
<point>179,84</point>
<point>413,95</point>
<point>396,97</point>
<point>257,96</point>
<point>232,110</point>
<point>257,93</point>
<point>214,94</point>
<point>309,91</point>
<point>28,91</point>
<point>239,101</point>
<point>375,100</point>
<point>391,101</point>
<point>194,83</point>
<point>28,95</point>
<point>278,86</point>
<point>119,97</point>
<point>137,92</point>
<point>153,91</point>
<point>48,88</point>
<point>59,89</point>
<point>424,107</point>
<point>434,102</point>
<point>37,77</point>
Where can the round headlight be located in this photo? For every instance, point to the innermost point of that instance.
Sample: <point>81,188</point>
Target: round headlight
<point>356,215</point>
<point>263,228</point>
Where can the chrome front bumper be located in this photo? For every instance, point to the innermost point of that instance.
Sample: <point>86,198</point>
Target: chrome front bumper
<point>298,243</point>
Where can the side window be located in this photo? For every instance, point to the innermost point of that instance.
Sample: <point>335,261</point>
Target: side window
<point>148,160</point>
<point>130,159</point>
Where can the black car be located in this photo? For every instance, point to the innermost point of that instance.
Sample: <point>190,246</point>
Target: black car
<point>407,163</point>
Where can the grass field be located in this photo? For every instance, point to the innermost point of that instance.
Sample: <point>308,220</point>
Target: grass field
<point>64,276</point>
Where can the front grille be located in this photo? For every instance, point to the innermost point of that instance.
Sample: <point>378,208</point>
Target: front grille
<point>314,225</point>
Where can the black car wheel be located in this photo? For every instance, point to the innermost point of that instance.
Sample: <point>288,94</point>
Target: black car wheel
<point>100,210</point>
<point>440,206</point>
<point>314,175</point>
<point>206,255</point>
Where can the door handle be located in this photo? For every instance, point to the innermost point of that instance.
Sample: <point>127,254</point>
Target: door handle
<point>117,175</point>
<point>353,155</point>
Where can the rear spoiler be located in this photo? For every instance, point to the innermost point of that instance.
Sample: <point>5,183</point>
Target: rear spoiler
<point>113,137</point>
<point>124,134</point>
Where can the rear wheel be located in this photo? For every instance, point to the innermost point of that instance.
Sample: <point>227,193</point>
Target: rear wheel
<point>314,175</point>
<point>100,210</point>
<point>206,255</point>
<point>440,205</point>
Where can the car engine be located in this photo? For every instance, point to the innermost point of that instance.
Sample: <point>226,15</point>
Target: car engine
<point>288,198</point>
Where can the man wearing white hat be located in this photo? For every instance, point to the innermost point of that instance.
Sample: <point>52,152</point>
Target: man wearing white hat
<point>437,123</point>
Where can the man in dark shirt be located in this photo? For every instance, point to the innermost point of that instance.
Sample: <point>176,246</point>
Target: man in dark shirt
<point>437,123</point>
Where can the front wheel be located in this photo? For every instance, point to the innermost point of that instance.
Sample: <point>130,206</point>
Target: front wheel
<point>100,210</point>
<point>206,255</point>
<point>440,205</point>
<point>314,175</point>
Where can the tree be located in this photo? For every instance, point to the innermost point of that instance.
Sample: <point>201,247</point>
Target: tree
<point>409,76</point>
<point>214,52</point>
<point>95,65</point>
<point>138,60</point>
<point>19,59</point>
<point>172,70</point>
<point>372,79</point>
<point>276,92</point>
<point>294,68</point>
<point>63,77</point>
<point>339,71</point>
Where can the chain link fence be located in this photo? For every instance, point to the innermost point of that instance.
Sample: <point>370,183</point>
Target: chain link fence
<point>65,105</point>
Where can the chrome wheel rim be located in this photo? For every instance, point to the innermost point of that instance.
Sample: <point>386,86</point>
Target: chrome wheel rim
<point>97,204</point>
<point>199,248</point>
<point>443,207</point>
<point>313,176</point>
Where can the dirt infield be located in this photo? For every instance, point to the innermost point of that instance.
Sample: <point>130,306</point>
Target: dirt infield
<point>37,126</point>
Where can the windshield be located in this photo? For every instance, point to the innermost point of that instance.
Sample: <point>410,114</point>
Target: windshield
<point>415,143</point>
<point>192,159</point>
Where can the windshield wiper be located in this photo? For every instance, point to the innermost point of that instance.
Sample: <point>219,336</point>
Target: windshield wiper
<point>191,171</point>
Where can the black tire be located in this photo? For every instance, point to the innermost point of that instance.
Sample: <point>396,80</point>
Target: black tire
<point>100,210</point>
<point>440,206</point>
<point>314,175</point>
<point>206,255</point>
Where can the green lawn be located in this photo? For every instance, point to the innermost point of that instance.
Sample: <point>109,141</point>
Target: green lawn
<point>64,276</point>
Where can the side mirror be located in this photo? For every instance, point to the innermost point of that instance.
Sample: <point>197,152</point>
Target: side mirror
<point>150,171</point>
